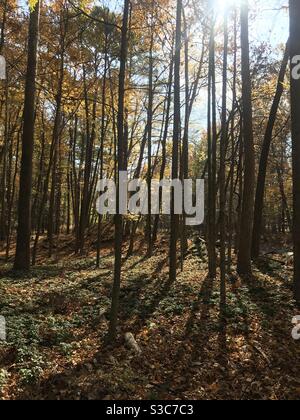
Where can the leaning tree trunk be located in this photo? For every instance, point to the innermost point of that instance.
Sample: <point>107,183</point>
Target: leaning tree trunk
<point>261,180</point>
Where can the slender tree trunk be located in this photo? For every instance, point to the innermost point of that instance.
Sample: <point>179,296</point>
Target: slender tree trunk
<point>239,186</point>
<point>286,209</point>
<point>233,157</point>
<point>112,333</point>
<point>176,141</point>
<point>223,168</point>
<point>90,139</point>
<point>149,124</point>
<point>40,175</point>
<point>184,167</point>
<point>13,193</point>
<point>211,137</point>
<point>52,205</point>
<point>103,131</point>
<point>164,142</point>
<point>261,180</point>
<point>244,255</point>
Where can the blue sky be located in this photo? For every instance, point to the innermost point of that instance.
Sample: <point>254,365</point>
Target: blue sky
<point>271,23</point>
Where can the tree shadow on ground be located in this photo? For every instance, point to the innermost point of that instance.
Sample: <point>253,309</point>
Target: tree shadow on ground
<point>141,298</point>
<point>37,273</point>
<point>268,356</point>
<point>265,267</point>
<point>139,261</point>
<point>189,358</point>
<point>71,384</point>
<point>63,302</point>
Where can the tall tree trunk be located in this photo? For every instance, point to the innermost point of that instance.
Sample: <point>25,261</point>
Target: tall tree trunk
<point>184,165</point>
<point>233,155</point>
<point>211,142</point>
<point>223,168</point>
<point>245,242</point>
<point>295,110</point>
<point>112,333</point>
<point>176,141</point>
<point>22,259</point>
<point>103,131</point>
<point>149,125</point>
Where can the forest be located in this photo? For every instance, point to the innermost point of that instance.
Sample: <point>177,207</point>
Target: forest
<point>190,293</point>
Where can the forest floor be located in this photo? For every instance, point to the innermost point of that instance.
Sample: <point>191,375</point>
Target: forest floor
<point>55,336</point>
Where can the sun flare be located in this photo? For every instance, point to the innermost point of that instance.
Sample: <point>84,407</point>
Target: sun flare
<point>222,5</point>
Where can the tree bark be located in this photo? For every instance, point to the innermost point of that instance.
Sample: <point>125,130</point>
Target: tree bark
<point>112,333</point>
<point>176,140</point>
<point>223,169</point>
<point>22,258</point>
<point>244,254</point>
<point>295,111</point>
<point>211,143</point>
<point>149,125</point>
